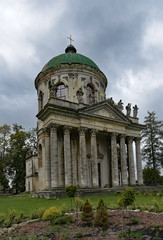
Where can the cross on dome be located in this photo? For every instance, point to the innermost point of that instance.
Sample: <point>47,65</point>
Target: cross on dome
<point>70,39</point>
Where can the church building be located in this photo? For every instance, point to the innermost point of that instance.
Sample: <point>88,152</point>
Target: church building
<point>84,139</point>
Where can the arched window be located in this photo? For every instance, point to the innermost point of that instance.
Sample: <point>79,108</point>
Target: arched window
<point>90,94</point>
<point>40,156</point>
<point>60,91</point>
<point>41,96</point>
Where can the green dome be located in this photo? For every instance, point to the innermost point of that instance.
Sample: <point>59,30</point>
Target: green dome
<point>69,58</point>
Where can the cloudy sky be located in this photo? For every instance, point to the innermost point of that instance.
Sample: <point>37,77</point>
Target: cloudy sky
<point>123,37</point>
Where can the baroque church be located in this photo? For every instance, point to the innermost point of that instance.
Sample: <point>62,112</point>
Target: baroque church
<point>84,139</point>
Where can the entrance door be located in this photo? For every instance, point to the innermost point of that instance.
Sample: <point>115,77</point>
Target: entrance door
<point>99,174</point>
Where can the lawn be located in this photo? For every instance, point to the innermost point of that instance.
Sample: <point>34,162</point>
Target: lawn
<point>27,204</point>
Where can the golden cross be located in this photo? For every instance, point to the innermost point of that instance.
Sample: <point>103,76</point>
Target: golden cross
<point>70,39</point>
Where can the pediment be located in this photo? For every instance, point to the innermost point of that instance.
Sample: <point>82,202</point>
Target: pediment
<point>104,110</point>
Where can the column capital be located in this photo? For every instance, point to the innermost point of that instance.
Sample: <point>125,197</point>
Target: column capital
<point>46,131</point>
<point>53,127</point>
<point>123,136</point>
<point>67,130</point>
<point>114,135</point>
<point>82,130</point>
<point>137,139</point>
<point>130,138</point>
<point>93,132</point>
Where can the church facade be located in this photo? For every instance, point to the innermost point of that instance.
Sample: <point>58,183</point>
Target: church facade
<point>84,139</point>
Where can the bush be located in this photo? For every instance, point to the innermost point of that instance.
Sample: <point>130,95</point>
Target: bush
<point>51,213</point>
<point>87,213</point>
<point>2,219</point>
<point>71,191</point>
<point>102,217</point>
<point>135,220</point>
<point>41,212</point>
<point>156,206</point>
<point>65,219</point>
<point>11,218</point>
<point>20,217</point>
<point>79,235</point>
<point>100,204</point>
<point>34,214</point>
<point>78,203</point>
<point>127,197</point>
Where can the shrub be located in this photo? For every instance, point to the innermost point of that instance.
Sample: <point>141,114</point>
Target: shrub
<point>65,219</point>
<point>135,220</point>
<point>156,206</point>
<point>79,235</point>
<point>71,191</point>
<point>34,214</point>
<point>2,219</point>
<point>20,217</point>
<point>11,218</point>
<point>51,213</point>
<point>102,217</point>
<point>87,213</point>
<point>127,197</point>
<point>41,212</point>
<point>78,203</point>
<point>100,204</point>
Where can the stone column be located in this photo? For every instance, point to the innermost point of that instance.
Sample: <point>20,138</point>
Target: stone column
<point>114,160</point>
<point>54,156</point>
<point>67,157</point>
<point>123,161</point>
<point>139,162</point>
<point>47,160</point>
<point>74,160</point>
<point>83,168</point>
<point>61,180</point>
<point>131,161</point>
<point>94,159</point>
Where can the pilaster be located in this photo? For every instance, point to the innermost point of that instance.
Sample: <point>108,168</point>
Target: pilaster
<point>54,155</point>
<point>114,160</point>
<point>47,160</point>
<point>123,160</point>
<point>138,162</point>
<point>131,161</point>
<point>67,157</point>
<point>94,159</point>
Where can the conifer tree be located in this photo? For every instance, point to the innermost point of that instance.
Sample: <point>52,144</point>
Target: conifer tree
<point>102,217</point>
<point>152,142</point>
<point>87,212</point>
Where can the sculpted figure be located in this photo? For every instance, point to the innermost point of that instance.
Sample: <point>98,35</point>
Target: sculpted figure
<point>135,111</point>
<point>80,95</point>
<point>128,109</point>
<point>120,105</point>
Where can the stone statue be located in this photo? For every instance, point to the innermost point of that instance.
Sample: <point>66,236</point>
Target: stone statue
<point>120,105</point>
<point>135,111</point>
<point>111,100</point>
<point>128,109</point>
<point>80,95</point>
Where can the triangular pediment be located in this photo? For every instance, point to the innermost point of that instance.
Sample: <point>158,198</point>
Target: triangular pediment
<point>105,110</point>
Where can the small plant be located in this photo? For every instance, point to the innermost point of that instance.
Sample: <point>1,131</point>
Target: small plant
<point>87,213</point>
<point>135,220</point>
<point>20,217</point>
<point>129,234</point>
<point>78,203</point>
<point>156,206</point>
<point>51,213</point>
<point>65,234</point>
<point>102,217</point>
<point>71,192</point>
<point>2,219</point>
<point>11,218</point>
<point>100,204</point>
<point>41,212</point>
<point>65,219</point>
<point>104,234</point>
<point>34,214</point>
<point>79,235</point>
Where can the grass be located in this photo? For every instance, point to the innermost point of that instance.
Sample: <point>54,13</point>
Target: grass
<point>27,204</point>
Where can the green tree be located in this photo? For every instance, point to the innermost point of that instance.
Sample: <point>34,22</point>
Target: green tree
<point>87,212</point>
<point>4,141</point>
<point>102,216</point>
<point>71,192</point>
<point>18,151</point>
<point>152,152</point>
<point>149,175</point>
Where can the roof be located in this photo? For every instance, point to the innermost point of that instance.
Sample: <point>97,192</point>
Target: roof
<point>70,57</point>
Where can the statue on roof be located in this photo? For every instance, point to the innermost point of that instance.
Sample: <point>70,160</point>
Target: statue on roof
<point>128,109</point>
<point>120,105</point>
<point>135,111</point>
